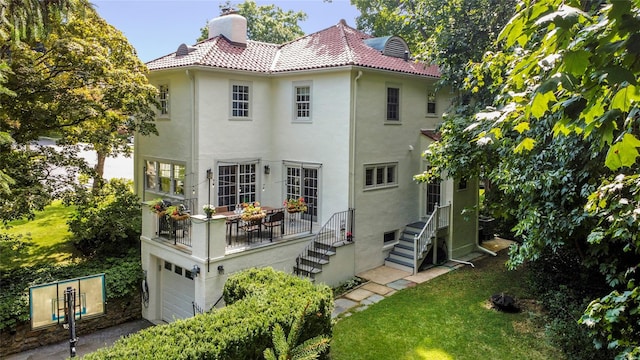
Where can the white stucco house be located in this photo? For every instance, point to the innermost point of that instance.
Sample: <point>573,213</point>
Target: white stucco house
<point>337,117</point>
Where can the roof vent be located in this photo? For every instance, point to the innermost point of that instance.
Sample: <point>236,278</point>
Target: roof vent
<point>390,45</point>
<point>183,50</point>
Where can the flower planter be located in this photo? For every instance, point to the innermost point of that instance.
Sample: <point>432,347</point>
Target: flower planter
<point>180,217</point>
<point>253,217</point>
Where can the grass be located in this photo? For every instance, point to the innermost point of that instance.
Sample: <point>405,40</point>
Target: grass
<point>447,318</point>
<point>47,239</point>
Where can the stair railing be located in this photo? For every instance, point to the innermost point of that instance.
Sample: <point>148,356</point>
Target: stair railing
<point>338,228</point>
<point>422,240</point>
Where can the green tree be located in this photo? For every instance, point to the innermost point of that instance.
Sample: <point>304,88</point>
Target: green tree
<point>24,21</point>
<point>83,83</point>
<point>562,142</point>
<point>266,23</point>
<point>107,221</point>
<point>450,33</point>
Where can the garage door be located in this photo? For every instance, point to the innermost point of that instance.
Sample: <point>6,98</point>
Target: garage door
<point>178,292</point>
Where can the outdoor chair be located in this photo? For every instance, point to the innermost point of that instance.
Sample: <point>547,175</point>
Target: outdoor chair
<point>252,228</point>
<point>220,209</point>
<point>274,220</point>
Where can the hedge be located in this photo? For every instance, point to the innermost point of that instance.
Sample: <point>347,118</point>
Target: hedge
<point>256,300</point>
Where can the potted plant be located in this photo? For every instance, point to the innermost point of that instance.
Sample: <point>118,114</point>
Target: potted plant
<point>209,210</point>
<point>252,212</point>
<point>177,212</point>
<point>295,205</point>
<point>158,206</point>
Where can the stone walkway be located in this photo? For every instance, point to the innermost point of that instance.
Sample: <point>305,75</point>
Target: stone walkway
<point>385,281</point>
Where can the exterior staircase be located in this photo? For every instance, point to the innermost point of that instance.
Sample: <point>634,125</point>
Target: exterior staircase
<point>317,254</point>
<point>416,241</point>
<point>401,257</point>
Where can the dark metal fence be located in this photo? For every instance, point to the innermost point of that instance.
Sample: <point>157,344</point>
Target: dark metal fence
<point>177,229</point>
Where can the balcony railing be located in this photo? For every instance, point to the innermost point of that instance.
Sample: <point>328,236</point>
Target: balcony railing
<point>241,234</point>
<point>177,230</point>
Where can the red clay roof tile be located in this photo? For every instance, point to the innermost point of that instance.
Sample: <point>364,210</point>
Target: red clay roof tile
<point>335,46</point>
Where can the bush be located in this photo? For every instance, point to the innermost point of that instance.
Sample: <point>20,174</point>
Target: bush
<point>109,221</point>
<point>122,276</point>
<point>257,299</point>
<point>565,288</point>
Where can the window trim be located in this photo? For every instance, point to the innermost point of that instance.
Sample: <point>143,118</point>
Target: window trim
<point>384,167</point>
<point>249,102</point>
<point>431,100</point>
<point>299,85</point>
<point>164,111</point>
<point>173,180</point>
<point>398,103</point>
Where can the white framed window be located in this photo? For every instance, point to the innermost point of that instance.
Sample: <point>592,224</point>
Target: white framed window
<point>164,177</point>
<point>393,103</point>
<point>380,175</point>
<point>163,99</point>
<point>237,183</point>
<point>241,100</point>
<point>302,101</point>
<point>431,102</point>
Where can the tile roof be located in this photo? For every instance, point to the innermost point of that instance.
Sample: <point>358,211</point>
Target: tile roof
<point>335,46</point>
<point>432,134</point>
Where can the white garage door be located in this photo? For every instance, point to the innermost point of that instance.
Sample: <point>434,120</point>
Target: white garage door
<point>178,292</point>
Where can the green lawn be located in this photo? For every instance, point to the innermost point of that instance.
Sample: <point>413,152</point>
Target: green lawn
<point>445,319</point>
<point>49,238</point>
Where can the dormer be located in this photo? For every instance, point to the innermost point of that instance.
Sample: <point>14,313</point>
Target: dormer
<point>393,46</point>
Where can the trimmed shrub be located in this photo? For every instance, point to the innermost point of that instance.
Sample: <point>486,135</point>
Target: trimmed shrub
<point>257,299</point>
<point>108,222</point>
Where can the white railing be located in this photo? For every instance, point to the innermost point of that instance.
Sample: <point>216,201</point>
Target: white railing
<point>438,219</point>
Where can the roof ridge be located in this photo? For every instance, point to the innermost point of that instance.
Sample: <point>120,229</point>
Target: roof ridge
<point>350,52</point>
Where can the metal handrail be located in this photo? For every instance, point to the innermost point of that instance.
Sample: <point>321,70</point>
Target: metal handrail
<point>337,229</point>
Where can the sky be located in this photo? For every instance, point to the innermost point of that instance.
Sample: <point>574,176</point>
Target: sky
<point>157,27</point>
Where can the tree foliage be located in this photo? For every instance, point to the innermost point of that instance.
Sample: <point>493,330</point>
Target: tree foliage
<point>450,33</point>
<point>82,83</point>
<point>266,23</point>
<point>107,221</point>
<point>560,145</point>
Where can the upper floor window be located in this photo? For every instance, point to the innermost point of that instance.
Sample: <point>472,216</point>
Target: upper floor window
<point>164,177</point>
<point>380,175</point>
<point>393,103</point>
<point>163,98</point>
<point>302,99</point>
<point>240,100</point>
<point>431,102</point>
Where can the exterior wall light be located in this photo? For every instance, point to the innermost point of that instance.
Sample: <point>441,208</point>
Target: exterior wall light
<point>195,270</point>
<point>267,169</point>
<point>220,270</point>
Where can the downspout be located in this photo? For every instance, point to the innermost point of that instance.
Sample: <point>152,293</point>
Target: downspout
<point>352,196</point>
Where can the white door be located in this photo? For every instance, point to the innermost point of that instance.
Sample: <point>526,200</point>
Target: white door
<point>178,292</point>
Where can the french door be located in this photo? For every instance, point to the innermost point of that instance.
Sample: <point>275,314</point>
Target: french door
<point>236,184</point>
<point>302,181</point>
